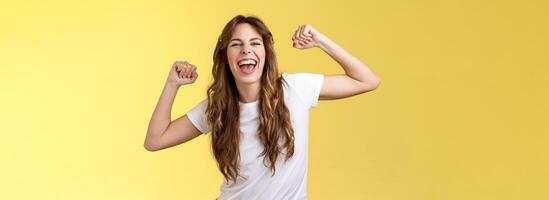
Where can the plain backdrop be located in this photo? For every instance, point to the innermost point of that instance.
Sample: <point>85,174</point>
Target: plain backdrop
<point>461,112</point>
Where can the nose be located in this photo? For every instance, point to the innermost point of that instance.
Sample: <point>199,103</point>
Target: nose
<point>246,50</point>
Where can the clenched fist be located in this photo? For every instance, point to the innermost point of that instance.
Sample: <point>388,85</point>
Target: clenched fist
<point>182,73</point>
<point>306,37</point>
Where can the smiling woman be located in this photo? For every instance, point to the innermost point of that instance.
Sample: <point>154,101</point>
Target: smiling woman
<point>258,118</point>
<point>246,52</point>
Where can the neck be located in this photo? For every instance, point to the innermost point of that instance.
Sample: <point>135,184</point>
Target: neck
<point>248,92</point>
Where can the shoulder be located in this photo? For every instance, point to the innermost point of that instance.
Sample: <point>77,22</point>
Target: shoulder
<point>201,105</point>
<point>197,116</point>
<point>300,78</point>
<point>305,85</point>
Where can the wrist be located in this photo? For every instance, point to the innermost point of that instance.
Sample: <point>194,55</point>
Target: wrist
<point>170,85</point>
<point>323,42</point>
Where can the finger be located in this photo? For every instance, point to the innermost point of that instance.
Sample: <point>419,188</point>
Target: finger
<point>297,32</point>
<point>181,65</point>
<point>185,72</point>
<point>295,44</point>
<point>295,40</point>
<point>180,74</point>
<point>307,31</point>
<point>301,42</point>
<point>190,69</point>
<point>304,39</point>
<point>192,74</point>
<point>294,37</point>
<point>189,65</point>
<point>193,71</point>
<point>301,35</point>
<point>298,35</point>
<point>175,67</point>
<point>189,73</point>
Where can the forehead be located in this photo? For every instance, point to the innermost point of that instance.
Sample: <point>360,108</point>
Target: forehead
<point>245,31</point>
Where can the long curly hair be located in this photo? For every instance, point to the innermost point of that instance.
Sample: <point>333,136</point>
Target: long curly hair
<point>223,109</point>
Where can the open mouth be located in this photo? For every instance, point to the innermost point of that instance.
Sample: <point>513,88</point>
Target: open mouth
<point>247,66</point>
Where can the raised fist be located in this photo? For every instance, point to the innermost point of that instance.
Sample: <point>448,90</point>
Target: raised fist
<point>182,73</point>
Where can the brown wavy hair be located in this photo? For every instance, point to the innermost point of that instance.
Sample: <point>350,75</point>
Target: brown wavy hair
<point>223,109</point>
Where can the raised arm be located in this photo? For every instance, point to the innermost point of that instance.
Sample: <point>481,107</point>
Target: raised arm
<point>358,77</point>
<point>162,132</point>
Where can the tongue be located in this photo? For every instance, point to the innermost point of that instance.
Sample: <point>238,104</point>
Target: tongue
<point>247,69</point>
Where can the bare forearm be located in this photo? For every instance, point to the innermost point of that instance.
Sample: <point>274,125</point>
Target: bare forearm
<point>161,117</point>
<point>352,66</point>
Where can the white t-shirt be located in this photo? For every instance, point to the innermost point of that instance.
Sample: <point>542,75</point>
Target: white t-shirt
<point>290,179</point>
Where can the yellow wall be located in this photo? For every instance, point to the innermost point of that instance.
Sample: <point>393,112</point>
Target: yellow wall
<point>459,113</point>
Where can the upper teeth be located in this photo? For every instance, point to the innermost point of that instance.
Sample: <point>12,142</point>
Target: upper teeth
<point>247,62</point>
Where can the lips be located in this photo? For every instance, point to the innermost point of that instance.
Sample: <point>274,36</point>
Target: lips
<point>247,61</point>
<point>247,65</point>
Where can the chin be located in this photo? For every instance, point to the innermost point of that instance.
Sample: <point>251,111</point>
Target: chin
<point>249,79</point>
<point>252,78</point>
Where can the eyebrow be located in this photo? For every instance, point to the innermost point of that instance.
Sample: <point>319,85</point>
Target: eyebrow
<point>255,38</point>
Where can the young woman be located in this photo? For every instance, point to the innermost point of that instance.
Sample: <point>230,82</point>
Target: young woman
<point>258,118</point>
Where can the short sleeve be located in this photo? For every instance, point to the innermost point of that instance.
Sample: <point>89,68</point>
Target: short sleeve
<point>197,116</point>
<point>307,86</point>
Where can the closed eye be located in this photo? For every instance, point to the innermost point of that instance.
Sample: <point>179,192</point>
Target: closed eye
<point>238,44</point>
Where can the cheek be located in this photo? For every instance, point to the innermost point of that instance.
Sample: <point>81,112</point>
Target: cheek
<point>262,50</point>
<point>231,56</point>
<point>263,59</point>
<point>261,53</point>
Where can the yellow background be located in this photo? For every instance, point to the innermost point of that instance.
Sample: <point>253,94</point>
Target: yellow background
<point>459,114</point>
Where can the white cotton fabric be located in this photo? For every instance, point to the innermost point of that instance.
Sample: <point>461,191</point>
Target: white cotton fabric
<point>301,93</point>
